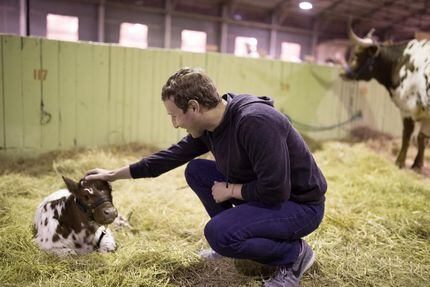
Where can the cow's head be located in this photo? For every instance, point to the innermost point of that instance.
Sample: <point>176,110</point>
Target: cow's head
<point>94,197</point>
<point>363,56</point>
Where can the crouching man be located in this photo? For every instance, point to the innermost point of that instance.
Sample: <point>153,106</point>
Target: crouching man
<point>264,192</point>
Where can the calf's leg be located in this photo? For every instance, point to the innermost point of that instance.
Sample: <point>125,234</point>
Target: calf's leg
<point>408,128</point>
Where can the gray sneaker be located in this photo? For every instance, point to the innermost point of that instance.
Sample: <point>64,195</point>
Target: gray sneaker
<point>290,277</point>
<point>209,255</point>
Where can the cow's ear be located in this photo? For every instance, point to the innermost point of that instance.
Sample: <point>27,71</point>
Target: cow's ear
<point>72,186</point>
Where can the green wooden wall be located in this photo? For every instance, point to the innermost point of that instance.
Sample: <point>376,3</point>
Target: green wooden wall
<point>56,94</point>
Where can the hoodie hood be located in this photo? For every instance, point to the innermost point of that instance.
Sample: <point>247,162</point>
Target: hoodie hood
<point>236,103</point>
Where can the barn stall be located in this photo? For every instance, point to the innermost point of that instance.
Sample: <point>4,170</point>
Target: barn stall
<point>68,107</point>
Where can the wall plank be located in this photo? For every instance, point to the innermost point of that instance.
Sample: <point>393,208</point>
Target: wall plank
<point>134,79</point>
<point>145,86</point>
<point>85,76</point>
<point>213,68</point>
<point>12,86</point>
<point>129,107</point>
<point>100,108</point>
<point>116,95</point>
<point>32,78</point>
<point>67,87</point>
<point>2,119</point>
<point>50,135</point>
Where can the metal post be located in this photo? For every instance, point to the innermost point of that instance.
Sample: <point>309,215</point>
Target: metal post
<point>24,18</point>
<point>27,22</point>
<point>168,25</point>
<point>101,21</point>
<point>273,38</point>
<point>224,29</point>
<point>315,35</point>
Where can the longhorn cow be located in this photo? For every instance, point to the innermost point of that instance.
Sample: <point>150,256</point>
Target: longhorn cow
<point>404,70</point>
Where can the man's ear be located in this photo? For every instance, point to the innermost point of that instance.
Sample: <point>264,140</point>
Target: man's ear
<point>194,105</point>
<point>72,186</point>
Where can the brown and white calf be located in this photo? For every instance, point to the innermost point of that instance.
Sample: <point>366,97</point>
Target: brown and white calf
<point>72,221</point>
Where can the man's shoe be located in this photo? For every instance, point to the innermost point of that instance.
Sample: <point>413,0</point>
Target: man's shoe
<point>209,255</point>
<point>290,277</point>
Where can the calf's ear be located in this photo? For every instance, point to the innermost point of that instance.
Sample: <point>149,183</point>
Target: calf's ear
<point>72,186</point>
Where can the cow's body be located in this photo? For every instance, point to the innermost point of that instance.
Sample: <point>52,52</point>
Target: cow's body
<point>411,93</point>
<point>62,226</point>
<point>404,70</point>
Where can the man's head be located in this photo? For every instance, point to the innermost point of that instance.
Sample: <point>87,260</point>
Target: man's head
<point>187,94</point>
<point>190,84</point>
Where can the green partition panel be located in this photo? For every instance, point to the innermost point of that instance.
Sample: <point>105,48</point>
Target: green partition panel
<point>145,96</point>
<point>57,94</point>
<point>84,95</point>
<point>116,95</point>
<point>12,87</point>
<point>100,107</point>
<point>2,119</point>
<point>67,82</point>
<point>32,77</point>
<point>49,114</point>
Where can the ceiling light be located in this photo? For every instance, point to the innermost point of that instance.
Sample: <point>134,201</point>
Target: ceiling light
<point>304,5</point>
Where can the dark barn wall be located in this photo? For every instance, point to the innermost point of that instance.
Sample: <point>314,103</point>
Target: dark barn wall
<point>180,23</point>
<point>304,41</point>
<point>262,36</point>
<point>115,15</point>
<point>87,14</point>
<point>9,16</point>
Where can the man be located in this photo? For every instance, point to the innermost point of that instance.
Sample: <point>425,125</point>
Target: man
<point>263,192</point>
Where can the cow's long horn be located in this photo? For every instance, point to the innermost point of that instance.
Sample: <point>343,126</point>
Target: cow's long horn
<point>370,33</point>
<point>366,42</point>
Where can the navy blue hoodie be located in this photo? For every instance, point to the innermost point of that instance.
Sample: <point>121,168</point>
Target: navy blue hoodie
<point>254,145</point>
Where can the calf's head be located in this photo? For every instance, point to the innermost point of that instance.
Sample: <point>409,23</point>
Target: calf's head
<point>94,197</point>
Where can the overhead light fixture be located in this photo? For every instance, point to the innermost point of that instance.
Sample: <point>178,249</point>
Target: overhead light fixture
<point>305,5</point>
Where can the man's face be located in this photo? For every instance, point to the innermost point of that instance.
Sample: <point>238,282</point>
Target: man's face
<point>188,121</point>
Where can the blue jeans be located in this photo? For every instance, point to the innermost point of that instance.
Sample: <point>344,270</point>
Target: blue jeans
<point>269,234</point>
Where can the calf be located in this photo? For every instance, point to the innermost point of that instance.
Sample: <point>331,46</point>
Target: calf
<point>71,221</point>
<point>404,70</point>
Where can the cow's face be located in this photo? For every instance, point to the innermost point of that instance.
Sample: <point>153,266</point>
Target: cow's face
<point>364,53</point>
<point>361,63</point>
<point>95,197</point>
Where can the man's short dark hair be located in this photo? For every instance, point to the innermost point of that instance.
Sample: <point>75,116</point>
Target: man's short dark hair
<point>190,84</point>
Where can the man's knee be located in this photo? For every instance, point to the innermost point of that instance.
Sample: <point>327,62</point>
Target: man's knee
<point>218,238</point>
<point>192,169</point>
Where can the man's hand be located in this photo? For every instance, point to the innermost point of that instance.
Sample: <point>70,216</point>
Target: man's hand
<point>101,174</point>
<point>220,192</point>
<point>108,175</point>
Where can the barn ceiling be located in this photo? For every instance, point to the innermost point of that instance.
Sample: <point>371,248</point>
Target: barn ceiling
<point>393,20</point>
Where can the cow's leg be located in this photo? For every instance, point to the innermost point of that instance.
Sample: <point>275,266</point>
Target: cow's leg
<point>419,160</point>
<point>408,128</point>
